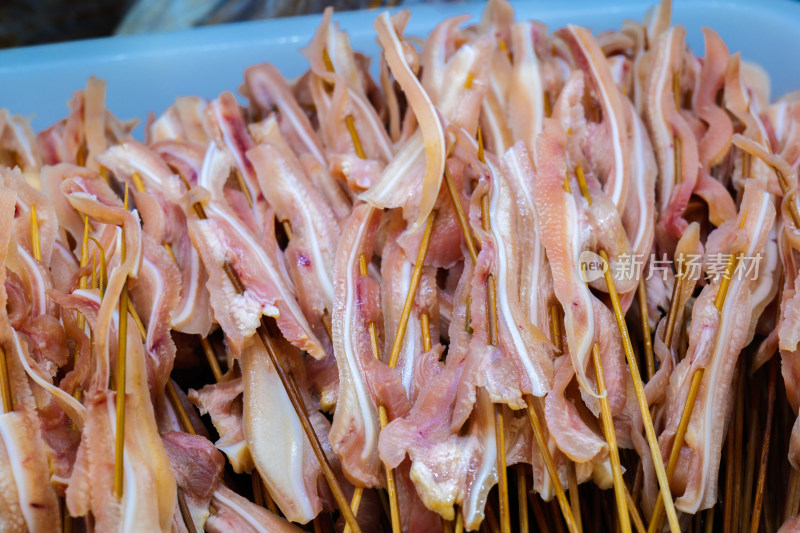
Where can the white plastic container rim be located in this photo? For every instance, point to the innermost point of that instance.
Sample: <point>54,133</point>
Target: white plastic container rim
<point>147,72</point>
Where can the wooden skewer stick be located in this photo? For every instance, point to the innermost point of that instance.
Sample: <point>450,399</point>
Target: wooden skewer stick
<point>762,468</point>
<point>84,260</point>
<point>644,408</point>
<point>649,357</point>
<point>697,378</point>
<point>750,460</point>
<point>5,383</point>
<point>636,518</point>
<point>460,215</point>
<point>538,433</point>
<point>522,499</point>
<point>395,353</point>
<point>737,443</point>
<point>491,290</point>
<point>611,439</point>
<point>605,407</point>
<point>391,484</point>
<point>471,247</point>
<point>730,466</point>
<point>412,290</point>
<point>572,479</point>
<point>35,243</point>
<point>425,326</point>
<point>574,496</point>
<point>102,280</point>
<point>119,449</point>
<point>673,305</point>
<point>677,443</point>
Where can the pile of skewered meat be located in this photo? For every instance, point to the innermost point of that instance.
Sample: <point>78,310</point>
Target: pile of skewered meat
<point>516,269</point>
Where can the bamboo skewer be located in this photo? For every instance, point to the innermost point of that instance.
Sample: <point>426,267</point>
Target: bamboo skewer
<point>119,448</point>
<point>412,291</point>
<point>491,289</point>
<point>737,443</point>
<point>727,507</point>
<point>84,260</point>
<point>611,439</point>
<point>633,510</point>
<point>697,378</point>
<point>538,433</point>
<point>35,244</point>
<point>391,484</point>
<point>574,495</point>
<point>762,468</point>
<point>674,454</point>
<point>750,462</point>
<point>649,356</point>
<point>5,384</point>
<point>644,408</point>
<point>522,499</point>
<point>395,354</point>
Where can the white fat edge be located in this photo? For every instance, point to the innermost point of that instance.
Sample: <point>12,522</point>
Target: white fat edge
<point>238,454</point>
<point>462,62</point>
<point>538,386</point>
<point>239,158</point>
<point>665,185</point>
<point>383,145</point>
<point>764,284</point>
<point>322,275</point>
<point>409,348</point>
<point>493,122</point>
<point>442,492</point>
<point>150,172</point>
<point>18,123</point>
<point>264,261</point>
<point>539,251</point>
<point>777,113</point>
<point>638,175</point>
<point>81,195</point>
<point>131,517</point>
<point>149,265</point>
<point>583,348</point>
<point>9,424</point>
<point>296,122</point>
<point>164,124</point>
<point>411,153</point>
<point>527,73</point>
<point>240,512</point>
<point>38,281</point>
<point>61,395</point>
<point>182,315</point>
<point>723,332</point>
<point>351,352</point>
<point>245,311</point>
<point>486,473</point>
<point>282,463</point>
<point>134,273</point>
<point>215,162</point>
<point>619,159</point>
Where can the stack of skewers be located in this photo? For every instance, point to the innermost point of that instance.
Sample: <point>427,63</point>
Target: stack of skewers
<point>517,269</point>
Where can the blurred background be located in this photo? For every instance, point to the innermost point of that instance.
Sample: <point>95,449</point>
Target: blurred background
<point>28,22</point>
